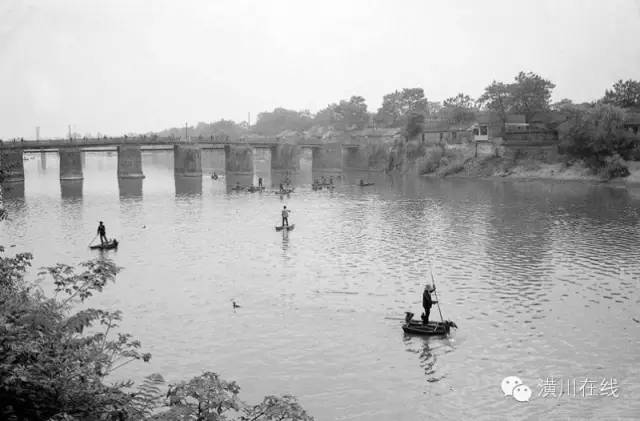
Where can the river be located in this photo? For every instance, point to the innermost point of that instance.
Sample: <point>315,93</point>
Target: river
<point>541,278</point>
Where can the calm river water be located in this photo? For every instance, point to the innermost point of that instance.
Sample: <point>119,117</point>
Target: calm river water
<point>542,279</point>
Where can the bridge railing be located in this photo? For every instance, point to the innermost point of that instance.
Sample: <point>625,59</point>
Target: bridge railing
<point>157,140</point>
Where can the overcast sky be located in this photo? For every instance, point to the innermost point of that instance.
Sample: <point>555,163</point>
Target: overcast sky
<point>136,66</point>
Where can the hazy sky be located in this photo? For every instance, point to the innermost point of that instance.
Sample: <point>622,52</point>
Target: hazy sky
<point>135,66</point>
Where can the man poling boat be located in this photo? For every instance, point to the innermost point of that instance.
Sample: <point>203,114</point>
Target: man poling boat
<point>105,243</point>
<point>285,220</point>
<point>425,327</point>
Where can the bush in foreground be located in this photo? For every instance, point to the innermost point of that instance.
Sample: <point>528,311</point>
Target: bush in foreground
<point>54,360</point>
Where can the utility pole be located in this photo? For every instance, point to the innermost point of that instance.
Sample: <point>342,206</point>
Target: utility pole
<point>186,132</point>
<point>37,132</point>
<point>249,119</point>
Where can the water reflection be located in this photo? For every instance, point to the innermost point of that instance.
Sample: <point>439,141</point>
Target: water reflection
<point>285,241</point>
<point>13,190</point>
<point>233,180</point>
<point>130,187</point>
<point>427,350</point>
<point>188,186</point>
<point>537,277</point>
<point>43,161</point>
<point>71,189</point>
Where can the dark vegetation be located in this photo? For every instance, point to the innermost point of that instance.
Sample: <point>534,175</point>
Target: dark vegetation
<point>55,360</point>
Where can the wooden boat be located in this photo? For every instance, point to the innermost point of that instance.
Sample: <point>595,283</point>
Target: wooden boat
<point>111,244</point>
<point>366,184</point>
<point>283,192</point>
<point>432,328</point>
<point>289,228</point>
<point>253,189</point>
<point>237,188</point>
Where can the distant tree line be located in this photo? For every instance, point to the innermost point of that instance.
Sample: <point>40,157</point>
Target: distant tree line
<point>593,131</point>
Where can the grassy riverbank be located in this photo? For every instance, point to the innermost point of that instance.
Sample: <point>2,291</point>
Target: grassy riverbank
<point>531,169</point>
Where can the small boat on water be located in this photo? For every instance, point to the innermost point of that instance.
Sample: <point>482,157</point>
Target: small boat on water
<point>366,184</point>
<point>283,192</point>
<point>253,189</point>
<point>288,227</point>
<point>431,328</point>
<point>237,188</point>
<point>111,244</point>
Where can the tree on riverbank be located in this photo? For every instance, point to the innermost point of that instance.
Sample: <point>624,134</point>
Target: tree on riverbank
<point>528,95</point>
<point>398,106</point>
<point>625,94</point>
<point>346,115</point>
<point>458,109</point>
<point>274,122</point>
<point>596,135</point>
<point>54,359</point>
<point>218,128</point>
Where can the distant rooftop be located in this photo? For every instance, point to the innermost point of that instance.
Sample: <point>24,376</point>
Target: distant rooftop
<point>632,118</point>
<point>492,117</point>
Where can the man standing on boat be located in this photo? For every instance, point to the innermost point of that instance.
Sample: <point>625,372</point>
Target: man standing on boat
<point>427,302</point>
<point>285,216</point>
<point>102,232</point>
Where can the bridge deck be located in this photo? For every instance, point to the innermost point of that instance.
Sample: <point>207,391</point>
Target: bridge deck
<point>149,143</point>
<point>115,142</point>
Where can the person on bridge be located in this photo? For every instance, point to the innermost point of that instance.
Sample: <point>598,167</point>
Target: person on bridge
<point>285,216</point>
<point>102,232</point>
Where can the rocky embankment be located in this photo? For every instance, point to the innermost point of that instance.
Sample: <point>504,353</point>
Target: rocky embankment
<point>462,161</point>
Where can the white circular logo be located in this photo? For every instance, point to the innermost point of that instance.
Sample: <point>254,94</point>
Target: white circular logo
<point>509,383</point>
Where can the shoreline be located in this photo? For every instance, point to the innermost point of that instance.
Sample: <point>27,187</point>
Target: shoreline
<point>553,172</point>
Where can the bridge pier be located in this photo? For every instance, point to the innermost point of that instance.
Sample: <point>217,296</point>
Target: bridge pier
<point>70,164</point>
<point>187,160</point>
<point>238,159</point>
<point>129,187</point>
<point>355,158</point>
<point>328,158</point>
<point>71,188</point>
<point>43,160</point>
<point>129,161</point>
<point>12,165</point>
<point>187,185</point>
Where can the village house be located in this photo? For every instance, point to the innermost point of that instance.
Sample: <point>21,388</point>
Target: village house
<point>440,132</point>
<point>632,122</point>
<point>489,126</point>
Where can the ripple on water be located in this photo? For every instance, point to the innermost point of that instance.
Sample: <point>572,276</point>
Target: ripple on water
<point>541,278</point>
